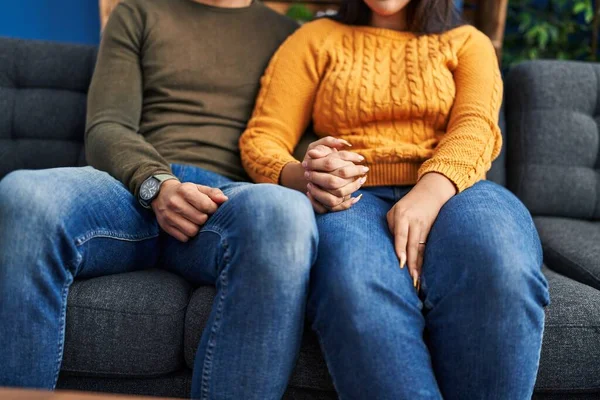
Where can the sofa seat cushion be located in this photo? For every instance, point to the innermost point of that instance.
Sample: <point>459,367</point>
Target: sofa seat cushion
<point>570,361</point>
<point>571,247</point>
<point>311,371</point>
<point>129,325</point>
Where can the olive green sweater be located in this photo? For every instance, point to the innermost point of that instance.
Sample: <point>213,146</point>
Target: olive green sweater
<point>175,82</point>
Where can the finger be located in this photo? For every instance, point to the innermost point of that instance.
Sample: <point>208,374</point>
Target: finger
<point>325,164</point>
<point>414,235</point>
<point>319,151</point>
<point>179,205</point>
<point>401,239</point>
<point>327,180</point>
<point>318,207</point>
<point>347,203</point>
<point>181,224</point>
<point>421,255</point>
<point>177,234</point>
<point>351,171</point>
<point>324,197</point>
<point>197,199</point>
<point>331,141</point>
<point>350,156</point>
<point>349,188</point>
<point>214,194</point>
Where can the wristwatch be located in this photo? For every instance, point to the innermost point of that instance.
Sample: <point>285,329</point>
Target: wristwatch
<point>150,188</point>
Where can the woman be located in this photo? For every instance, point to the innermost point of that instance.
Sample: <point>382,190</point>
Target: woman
<point>418,99</point>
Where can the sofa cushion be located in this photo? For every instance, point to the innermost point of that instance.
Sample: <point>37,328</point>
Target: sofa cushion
<point>570,361</point>
<point>310,372</point>
<point>552,115</point>
<point>43,90</point>
<point>571,247</point>
<point>128,325</point>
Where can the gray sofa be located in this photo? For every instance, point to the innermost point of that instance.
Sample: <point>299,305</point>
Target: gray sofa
<point>138,332</point>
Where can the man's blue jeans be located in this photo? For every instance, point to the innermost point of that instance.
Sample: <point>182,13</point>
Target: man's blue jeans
<point>475,330</point>
<point>257,249</point>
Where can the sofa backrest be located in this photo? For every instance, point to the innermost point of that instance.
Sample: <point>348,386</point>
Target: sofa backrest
<point>43,90</point>
<point>552,117</point>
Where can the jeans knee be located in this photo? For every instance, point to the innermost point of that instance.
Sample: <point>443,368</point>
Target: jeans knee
<point>505,272</point>
<point>280,219</point>
<point>26,196</point>
<point>278,236</point>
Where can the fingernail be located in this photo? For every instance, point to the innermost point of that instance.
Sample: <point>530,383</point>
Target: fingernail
<point>402,260</point>
<point>309,186</point>
<point>347,143</point>
<point>307,174</point>
<point>304,164</point>
<point>356,199</point>
<point>362,180</point>
<point>361,158</point>
<point>365,170</point>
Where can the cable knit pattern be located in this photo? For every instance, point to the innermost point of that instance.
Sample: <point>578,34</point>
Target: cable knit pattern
<point>409,104</point>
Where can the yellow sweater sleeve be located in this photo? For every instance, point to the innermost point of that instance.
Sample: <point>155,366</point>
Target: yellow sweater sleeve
<point>473,138</point>
<point>284,105</point>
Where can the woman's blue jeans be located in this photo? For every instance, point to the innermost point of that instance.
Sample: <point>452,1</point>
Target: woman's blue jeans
<point>258,248</point>
<point>474,332</point>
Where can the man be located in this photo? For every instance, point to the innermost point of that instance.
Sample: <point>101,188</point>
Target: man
<point>173,88</point>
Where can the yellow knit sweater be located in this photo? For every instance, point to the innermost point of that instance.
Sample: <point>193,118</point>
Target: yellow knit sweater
<point>409,104</point>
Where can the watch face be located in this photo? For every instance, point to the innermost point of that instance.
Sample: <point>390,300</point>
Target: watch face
<point>148,189</point>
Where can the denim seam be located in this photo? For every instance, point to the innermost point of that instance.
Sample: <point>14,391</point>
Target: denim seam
<point>102,233</point>
<point>211,342</point>
<point>62,319</point>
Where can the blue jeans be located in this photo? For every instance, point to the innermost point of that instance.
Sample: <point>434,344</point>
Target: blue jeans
<point>61,224</point>
<point>475,330</point>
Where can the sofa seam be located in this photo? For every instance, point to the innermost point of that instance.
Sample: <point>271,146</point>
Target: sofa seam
<point>573,326</point>
<point>115,375</point>
<point>179,310</point>
<point>548,249</point>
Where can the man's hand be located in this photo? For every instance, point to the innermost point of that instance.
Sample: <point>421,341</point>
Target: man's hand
<point>182,208</point>
<point>411,219</point>
<point>332,175</point>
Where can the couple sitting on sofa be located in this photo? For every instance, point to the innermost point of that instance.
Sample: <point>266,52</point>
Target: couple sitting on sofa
<point>421,279</point>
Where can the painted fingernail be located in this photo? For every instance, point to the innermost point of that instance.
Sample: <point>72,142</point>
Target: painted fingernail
<point>415,280</point>
<point>304,164</point>
<point>307,174</point>
<point>362,180</point>
<point>365,170</point>
<point>402,260</point>
<point>356,199</point>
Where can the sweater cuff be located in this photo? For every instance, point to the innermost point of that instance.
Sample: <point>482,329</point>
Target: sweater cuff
<point>460,180</point>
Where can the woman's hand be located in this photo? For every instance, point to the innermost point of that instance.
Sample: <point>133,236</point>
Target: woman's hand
<point>332,175</point>
<point>411,219</point>
<point>328,175</point>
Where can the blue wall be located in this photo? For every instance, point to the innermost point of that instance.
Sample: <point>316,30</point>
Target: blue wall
<point>74,21</point>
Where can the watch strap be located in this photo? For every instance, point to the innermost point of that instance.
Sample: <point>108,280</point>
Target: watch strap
<point>164,177</point>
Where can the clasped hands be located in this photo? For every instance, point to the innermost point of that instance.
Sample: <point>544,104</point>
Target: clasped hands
<point>334,174</point>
